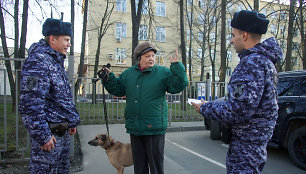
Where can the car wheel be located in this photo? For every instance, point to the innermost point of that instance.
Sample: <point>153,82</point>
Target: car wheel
<point>297,147</point>
<point>207,123</point>
<point>215,130</point>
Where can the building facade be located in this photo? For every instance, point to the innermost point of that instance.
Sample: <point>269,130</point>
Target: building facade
<point>160,25</point>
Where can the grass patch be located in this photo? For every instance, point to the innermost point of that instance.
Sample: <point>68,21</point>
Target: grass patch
<point>13,135</point>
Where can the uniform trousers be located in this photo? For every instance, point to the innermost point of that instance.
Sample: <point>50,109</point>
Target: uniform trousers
<point>55,161</point>
<point>148,153</point>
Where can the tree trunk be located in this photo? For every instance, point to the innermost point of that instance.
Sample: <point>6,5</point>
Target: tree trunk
<point>6,55</point>
<point>288,65</point>
<point>303,34</point>
<point>223,41</point>
<point>256,5</point>
<point>136,18</point>
<point>190,41</point>
<point>16,29</point>
<point>72,23</point>
<point>82,57</point>
<point>183,48</point>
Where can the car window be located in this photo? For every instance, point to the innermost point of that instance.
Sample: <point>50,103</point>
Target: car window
<point>288,87</point>
<point>303,86</point>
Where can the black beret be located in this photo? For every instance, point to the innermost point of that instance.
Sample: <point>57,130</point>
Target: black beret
<point>56,27</point>
<point>250,21</point>
<point>143,48</point>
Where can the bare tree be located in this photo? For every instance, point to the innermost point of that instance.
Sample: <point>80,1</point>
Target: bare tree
<point>288,65</point>
<point>19,47</point>
<point>183,47</point>
<point>72,25</point>
<point>302,31</point>
<point>223,41</point>
<point>136,18</point>
<point>82,57</point>
<point>102,29</point>
<point>182,32</point>
<point>190,25</point>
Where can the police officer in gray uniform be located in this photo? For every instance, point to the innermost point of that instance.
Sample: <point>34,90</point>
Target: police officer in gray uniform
<point>46,104</point>
<point>251,105</point>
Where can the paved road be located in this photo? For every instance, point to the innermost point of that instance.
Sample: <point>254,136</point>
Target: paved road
<point>187,152</point>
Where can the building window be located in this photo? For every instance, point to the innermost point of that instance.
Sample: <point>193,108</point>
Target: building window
<point>201,3</point>
<point>189,18</point>
<point>228,38</point>
<point>230,6</point>
<point>161,34</point>
<point>213,20</point>
<point>159,58</point>
<point>294,61</point>
<point>213,4</point>
<point>282,15</point>
<point>200,35</point>
<point>189,3</point>
<point>188,35</point>
<point>200,52</point>
<point>295,46</point>
<point>121,5</point>
<point>187,52</point>
<point>240,7</point>
<point>160,8</point>
<point>282,44</point>
<point>283,30</point>
<point>264,11</point>
<point>273,29</point>
<point>212,53</point>
<point>143,32</point>
<point>229,71</point>
<point>273,14</point>
<point>120,30</point>
<point>295,32</point>
<point>229,55</point>
<point>212,36</point>
<point>120,56</point>
<point>228,23</point>
<point>201,18</point>
<point>144,6</point>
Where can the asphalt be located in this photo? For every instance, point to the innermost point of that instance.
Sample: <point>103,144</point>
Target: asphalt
<point>95,160</point>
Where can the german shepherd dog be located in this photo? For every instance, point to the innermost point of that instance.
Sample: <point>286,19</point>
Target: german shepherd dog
<point>119,154</point>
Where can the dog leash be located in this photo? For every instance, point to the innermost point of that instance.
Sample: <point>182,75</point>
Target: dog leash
<point>105,111</point>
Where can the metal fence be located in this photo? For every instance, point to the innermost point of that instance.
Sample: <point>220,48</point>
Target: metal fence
<point>14,138</point>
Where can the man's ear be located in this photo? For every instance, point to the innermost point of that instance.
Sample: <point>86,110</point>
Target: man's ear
<point>52,39</point>
<point>245,35</point>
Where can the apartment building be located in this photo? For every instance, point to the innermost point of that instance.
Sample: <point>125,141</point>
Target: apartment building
<point>160,25</point>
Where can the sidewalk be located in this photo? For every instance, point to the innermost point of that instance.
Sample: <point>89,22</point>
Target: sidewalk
<point>95,160</point>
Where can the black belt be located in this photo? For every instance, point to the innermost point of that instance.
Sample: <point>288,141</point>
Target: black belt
<point>59,128</point>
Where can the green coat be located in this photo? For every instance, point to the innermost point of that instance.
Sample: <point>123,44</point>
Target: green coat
<point>146,111</point>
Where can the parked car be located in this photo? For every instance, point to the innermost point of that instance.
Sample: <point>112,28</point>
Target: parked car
<point>290,129</point>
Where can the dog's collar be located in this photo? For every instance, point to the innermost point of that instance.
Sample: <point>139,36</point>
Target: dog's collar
<point>109,145</point>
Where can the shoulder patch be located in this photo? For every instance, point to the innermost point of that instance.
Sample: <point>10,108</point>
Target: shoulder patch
<point>238,90</point>
<point>31,82</point>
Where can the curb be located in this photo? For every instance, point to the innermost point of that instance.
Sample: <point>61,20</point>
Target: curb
<point>181,128</point>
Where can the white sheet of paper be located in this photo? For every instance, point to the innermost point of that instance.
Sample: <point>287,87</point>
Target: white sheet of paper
<point>194,101</point>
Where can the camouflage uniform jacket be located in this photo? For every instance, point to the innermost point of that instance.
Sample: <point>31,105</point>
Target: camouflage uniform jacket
<point>45,94</point>
<point>251,105</point>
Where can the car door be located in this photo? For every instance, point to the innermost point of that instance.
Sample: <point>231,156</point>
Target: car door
<point>288,101</point>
